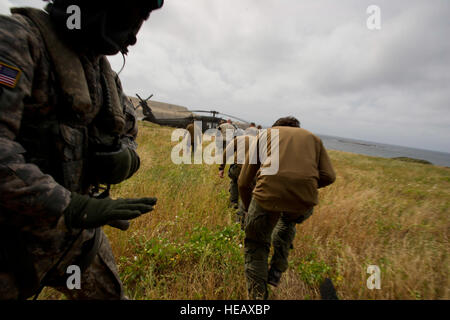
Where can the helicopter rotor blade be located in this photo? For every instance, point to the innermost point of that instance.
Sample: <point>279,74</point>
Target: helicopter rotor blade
<point>144,99</point>
<point>205,111</point>
<point>140,101</point>
<point>227,115</point>
<point>216,113</point>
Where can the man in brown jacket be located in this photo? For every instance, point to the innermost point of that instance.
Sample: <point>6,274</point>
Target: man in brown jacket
<point>279,201</point>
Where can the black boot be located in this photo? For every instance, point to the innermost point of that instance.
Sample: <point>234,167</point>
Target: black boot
<point>234,205</point>
<point>274,277</point>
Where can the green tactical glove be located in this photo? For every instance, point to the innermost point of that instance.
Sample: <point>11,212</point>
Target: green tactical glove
<point>119,224</point>
<point>115,167</point>
<point>85,212</point>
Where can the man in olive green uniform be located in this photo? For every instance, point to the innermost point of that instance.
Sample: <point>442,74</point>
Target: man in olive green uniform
<point>227,131</point>
<point>233,172</point>
<point>66,128</point>
<point>279,201</point>
<point>251,130</point>
<point>190,141</point>
<point>240,143</point>
<point>228,125</point>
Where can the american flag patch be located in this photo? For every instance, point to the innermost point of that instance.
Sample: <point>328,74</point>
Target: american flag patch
<point>9,75</point>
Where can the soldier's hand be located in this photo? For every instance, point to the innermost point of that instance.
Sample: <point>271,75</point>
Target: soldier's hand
<point>221,173</point>
<point>84,212</point>
<point>119,224</point>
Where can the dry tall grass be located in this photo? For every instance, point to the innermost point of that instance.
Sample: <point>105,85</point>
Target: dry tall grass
<point>378,212</point>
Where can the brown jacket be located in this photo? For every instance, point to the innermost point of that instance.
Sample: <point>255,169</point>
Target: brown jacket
<point>304,166</point>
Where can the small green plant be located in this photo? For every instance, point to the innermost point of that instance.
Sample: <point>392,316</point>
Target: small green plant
<point>153,259</point>
<point>313,271</point>
<point>223,246</point>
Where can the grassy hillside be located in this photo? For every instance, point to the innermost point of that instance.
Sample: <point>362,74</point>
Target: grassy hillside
<point>381,212</point>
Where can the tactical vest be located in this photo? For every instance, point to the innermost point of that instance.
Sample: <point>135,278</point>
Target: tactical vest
<point>59,143</point>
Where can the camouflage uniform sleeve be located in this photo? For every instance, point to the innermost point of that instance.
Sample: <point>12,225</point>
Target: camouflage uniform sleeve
<point>24,189</point>
<point>131,128</point>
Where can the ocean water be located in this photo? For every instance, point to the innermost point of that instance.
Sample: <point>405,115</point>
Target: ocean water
<point>384,150</point>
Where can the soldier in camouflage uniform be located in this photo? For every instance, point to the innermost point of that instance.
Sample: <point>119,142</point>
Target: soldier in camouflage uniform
<point>65,128</point>
<point>251,130</point>
<point>193,128</point>
<point>227,131</point>
<point>240,145</point>
<point>233,173</point>
<point>190,141</point>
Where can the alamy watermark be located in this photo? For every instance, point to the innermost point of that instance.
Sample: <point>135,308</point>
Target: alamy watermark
<point>374,280</point>
<point>374,19</point>
<point>74,20</point>
<point>74,279</point>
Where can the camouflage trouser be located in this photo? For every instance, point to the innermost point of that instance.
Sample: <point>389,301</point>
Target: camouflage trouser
<point>100,280</point>
<point>262,228</point>
<point>233,172</point>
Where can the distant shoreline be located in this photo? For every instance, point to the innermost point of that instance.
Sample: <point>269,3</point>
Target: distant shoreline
<point>387,151</point>
<point>374,143</point>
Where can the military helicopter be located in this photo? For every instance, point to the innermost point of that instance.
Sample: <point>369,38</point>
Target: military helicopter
<point>181,117</point>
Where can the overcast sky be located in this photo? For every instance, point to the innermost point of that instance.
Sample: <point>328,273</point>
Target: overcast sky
<point>316,60</point>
